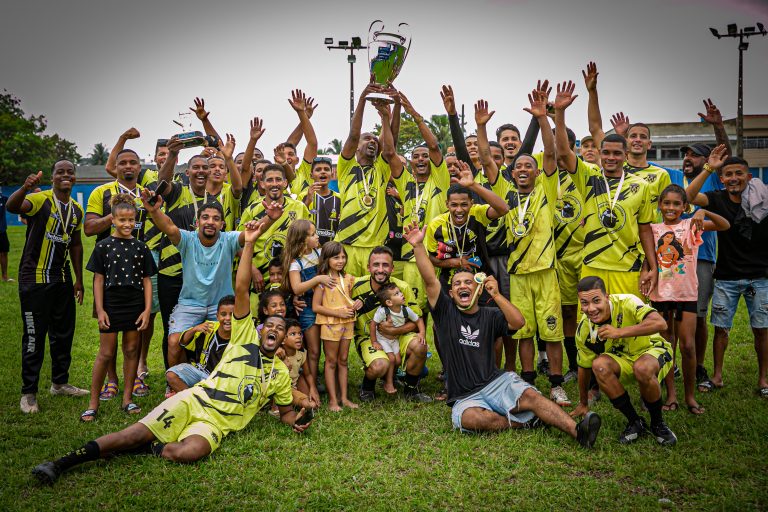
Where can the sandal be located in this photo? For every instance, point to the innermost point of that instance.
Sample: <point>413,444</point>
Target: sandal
<point>442,395</point>
<point>140,388</point>
<point>131,408</point>
<point>696,410</point>
<point>88,415</point>
<point>672,406</point>
<point>143,375</point>
<point>108,391</point>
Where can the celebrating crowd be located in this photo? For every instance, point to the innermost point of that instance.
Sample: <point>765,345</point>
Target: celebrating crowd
<point>258,267</point>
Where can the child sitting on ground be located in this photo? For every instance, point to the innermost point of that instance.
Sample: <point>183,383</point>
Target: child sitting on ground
<point>392,306</point>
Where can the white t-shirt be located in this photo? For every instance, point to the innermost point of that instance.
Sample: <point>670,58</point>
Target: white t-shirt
<point>398,319</point>
<point>308,260</point>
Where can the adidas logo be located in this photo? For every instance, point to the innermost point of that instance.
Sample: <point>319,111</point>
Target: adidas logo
<point>468,336</point>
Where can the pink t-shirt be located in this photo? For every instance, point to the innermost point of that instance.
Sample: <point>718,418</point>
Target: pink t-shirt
<point>676,250</point>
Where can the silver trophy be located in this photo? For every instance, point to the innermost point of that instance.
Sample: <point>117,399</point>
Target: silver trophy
<point>386,53</point>
<point>190,137</point>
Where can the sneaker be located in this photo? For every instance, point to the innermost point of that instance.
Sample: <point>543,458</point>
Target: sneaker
<point>28,403</point>
<point>533,423</point>
<point>587,429</point>
<point>68,390</point>
<point>366,396</point>
<point>633,431</point>
<point>543,367</point>
<point>47,472</point>
<point>572,375</point>
<point>417,396</point>
<point>559,396</point>
<point>664,436</point>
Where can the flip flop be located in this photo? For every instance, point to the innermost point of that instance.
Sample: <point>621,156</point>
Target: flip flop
<point>673,406</point>
<point>88,415</point>
<point>696,410</point>
<point>131,408</point>
<point>763,392</point>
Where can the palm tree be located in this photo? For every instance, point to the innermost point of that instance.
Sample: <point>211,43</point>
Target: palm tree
<point>442,130</point>
<point>100,154</point>
<point>333,149</point>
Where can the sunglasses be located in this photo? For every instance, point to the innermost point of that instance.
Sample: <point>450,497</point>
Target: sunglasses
<point>322,160</point>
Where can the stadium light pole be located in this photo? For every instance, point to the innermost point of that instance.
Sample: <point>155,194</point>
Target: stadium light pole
<point>354,44</point>
<point>743,34</point>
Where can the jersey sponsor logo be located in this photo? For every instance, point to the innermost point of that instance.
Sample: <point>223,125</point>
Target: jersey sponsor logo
<point>56,238</point>
<point>325,232</point>
<point>468,336</point>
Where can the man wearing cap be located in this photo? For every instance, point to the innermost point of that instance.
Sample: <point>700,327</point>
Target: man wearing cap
<point>588,150</point>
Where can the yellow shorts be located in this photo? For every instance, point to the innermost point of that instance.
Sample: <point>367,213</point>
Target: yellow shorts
<point>616,281</point>
<point>412,276</point>
<point>662,353</point>
<point>337,332</point>
<point>568,269</point>
<point>181,416</point>
<point>537,296</point>
<point>369,354</point>
<point>357,260</point>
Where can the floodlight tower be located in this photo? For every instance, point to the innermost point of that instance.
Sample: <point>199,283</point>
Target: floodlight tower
<point>352,45</point>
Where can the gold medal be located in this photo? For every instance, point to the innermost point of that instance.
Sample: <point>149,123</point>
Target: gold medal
<point>520,230</point>
<point>368,200</point>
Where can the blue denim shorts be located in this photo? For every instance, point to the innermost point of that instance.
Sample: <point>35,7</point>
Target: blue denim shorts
<point>188,373</point>
<point>726,299</point>
<point>500,396</point>
<point>184,317</point>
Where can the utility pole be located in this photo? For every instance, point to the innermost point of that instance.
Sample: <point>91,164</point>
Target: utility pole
<point>351,46</point>
<point>743,33</point>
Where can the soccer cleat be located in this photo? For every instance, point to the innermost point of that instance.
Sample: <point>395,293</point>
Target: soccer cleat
<point>571,375</point>
<point>559,396</point>
<point>366,396</point>
<point>28,403</point>
<point>664,436</point>
<point>543,367</point>
<point>68,390</point>
<point>633,431</point>
<point>414,395</point>
<point>46,473</point>
<point>587,429</point>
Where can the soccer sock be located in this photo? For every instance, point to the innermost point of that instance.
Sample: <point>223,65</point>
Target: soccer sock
<point>157,448</point>
<point>90,451</point>
<point>541,345</point>
<point>529,377</point>
<point>368,384</point>
<point>624,405</point>
<point>654,408</point>
<point>556,380</point>
<point>410,381</point>
<point>570,350</point>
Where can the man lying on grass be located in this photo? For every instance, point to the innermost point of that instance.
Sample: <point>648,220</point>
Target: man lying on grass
<point>483,397</point>
<point>192,423</point>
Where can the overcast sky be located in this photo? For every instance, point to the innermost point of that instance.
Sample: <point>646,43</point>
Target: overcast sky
<point>95,68</point>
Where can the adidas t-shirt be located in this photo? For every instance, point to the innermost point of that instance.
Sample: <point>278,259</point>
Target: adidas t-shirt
<point>467,346</point>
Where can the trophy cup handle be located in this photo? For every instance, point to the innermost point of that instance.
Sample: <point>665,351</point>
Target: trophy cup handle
<point>404,30</point>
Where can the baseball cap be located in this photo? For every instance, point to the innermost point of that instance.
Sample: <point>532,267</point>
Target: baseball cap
<point>586,139</point>
<point>698,149</point>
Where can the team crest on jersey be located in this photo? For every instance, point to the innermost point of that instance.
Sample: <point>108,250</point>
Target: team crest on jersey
<point>650,178</point>
<point>273,247</point>
<point>551,322</point>
<point>633,188</point>
<point>619,319</point>
<point>611,219</point>
<point>568,209</point>
<point>292,216</point>
<point>248,390</point>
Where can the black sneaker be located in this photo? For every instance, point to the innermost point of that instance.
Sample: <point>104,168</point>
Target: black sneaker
<point>633,431</point>
<point>535,423</point>
<point>366,396</point>
<point>414,395</point>
<point>664,436</point>
<point>543,367</point>
<point>587,429</point>
<point>47,472</point>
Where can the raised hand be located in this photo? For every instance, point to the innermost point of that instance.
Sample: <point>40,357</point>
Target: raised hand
<point>449,100</point>
<point>274,210</point>
<point>131,133</point>
<point>412,234</point>
<point>465,177</point>
<point>491,285</point>
<point>298,101</point>
<point>310,106</point>
<point>175,145</point>
<point>565,96</point>
<point>199,109</point>
<point>208,151</point>
<point>713,115</point>
<point>717,157</point>
<point>227,149</point>
<point>32,181</point>
<point>370,88</point>
<point>383,108</point>
<point>482,116</point>
<point>590,76</point>
<point>279,152</point>
<point>257,129</point>
<point>620,123</point>
<point>252,231</point>
<point>538,100</point>
<point>146,200</point>
<point>406,103</point>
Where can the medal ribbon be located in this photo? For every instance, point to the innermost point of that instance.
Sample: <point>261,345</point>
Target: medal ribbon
<point>608,190</point>
<point>64,222</point>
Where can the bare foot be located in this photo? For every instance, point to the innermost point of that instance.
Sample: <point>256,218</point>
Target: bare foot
<point>334,407</point>
<point>350,404</point>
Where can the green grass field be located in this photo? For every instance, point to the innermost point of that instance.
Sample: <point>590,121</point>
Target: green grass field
<point>385,456</point>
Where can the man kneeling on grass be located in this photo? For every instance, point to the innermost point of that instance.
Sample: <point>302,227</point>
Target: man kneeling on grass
<point>618,340</point>
<point>192,423</point>
<point>482,396</point>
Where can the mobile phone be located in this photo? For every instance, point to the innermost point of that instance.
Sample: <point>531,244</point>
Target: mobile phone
<point>161,189</point>
<point>308,415</point>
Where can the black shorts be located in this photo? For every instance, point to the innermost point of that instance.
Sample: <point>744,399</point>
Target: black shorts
<point>678,308</point>
<point>5,245</point>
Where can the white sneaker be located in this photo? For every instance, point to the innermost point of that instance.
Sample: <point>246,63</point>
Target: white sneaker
<point>559,396</point>
<point>571,375</point>
<point>28,403</point>
<point>68,390</point>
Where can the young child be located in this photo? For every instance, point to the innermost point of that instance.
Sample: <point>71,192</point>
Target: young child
<point>296,361</point>
<point>300,259</point>
<point>677,241</point>
<point>392,306</point>
<point>324,204</point>
<point>271,302</point>
<point>207,341</point>
<point>336,317</point>
<point>122,292</point>
<point>275,274</point>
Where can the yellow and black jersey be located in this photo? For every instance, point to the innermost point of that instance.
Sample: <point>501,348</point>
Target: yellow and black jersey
<point>496,232</point>
<point>148,178</point>
<point>531,240</point>
<point>422,201</point>
<point>611,236</point>
<point>657,178</point>
<point>243,381</point>
<point>50,227</point>
<point>626,310</point>
<point>208,347</point>
<point>303,179</point>
<point>231,206</point>
<point>270,244</point>
<point>444,240</point>
<point>362,290</point>
<point>99,204</point>
<point>363,191</point>
<point>324,213</point>
<point>181,205</point>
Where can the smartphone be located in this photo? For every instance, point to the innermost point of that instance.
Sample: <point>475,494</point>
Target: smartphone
<point>309,414</point>
<point>161,189</point>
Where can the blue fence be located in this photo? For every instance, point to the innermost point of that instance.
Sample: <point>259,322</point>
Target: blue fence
<point>80,193</point>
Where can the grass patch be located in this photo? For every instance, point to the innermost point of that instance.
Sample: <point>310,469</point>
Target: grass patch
<point>388,455</point>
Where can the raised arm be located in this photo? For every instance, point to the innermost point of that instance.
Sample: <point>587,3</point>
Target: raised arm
<point>498,206</point>
<point>715,161</point>
<point>435,155</point>
<point>257,130</point>
<point>512,315</point>
<point>714,118</point>
<point>159,218</point>
<point>415,237</point>
<point>203,116</point>
<point>17,203</point>
<point>482,116</point>
<point>243,276</point>
<point>166,171</point>
<point>298,102</point>
<point>350,145</point>
<point>595,119</point>
<point>226,150</point>
<point>130,133</point>
<point>282,160</point>
<point>457,134</point>
<point>538,109</point>
<point>563,100</point>
<point>397,107</point>
<point>386,143</point>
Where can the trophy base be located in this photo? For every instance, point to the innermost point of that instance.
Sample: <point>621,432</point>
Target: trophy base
<point>377,96</point>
